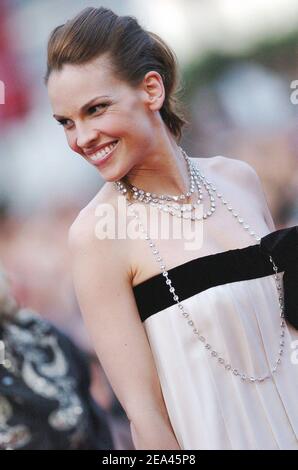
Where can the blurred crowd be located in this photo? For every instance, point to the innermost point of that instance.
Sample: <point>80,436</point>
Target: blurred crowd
<point>34,253</point>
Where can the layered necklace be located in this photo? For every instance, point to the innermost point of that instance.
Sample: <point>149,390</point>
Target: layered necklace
<point>162,203</point>
<point>168,203</point>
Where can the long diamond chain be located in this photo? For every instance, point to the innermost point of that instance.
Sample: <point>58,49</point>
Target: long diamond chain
<point>199,176</point>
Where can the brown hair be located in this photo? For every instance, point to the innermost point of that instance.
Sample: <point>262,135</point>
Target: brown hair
<point>132,50</point>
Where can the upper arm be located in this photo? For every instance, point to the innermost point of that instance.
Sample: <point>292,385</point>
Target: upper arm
<point>106,300</point>
<point>252,180</point>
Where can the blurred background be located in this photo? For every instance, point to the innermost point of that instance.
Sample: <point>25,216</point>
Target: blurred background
<point>238,64</point>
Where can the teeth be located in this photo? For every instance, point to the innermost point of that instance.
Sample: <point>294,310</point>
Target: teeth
<point>103,152</point>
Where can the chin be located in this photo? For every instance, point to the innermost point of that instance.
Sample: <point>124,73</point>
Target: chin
<point>112,177</point>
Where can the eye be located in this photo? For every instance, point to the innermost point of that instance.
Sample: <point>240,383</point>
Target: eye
<point>62,122</point>
<point>91,110</point>
<point>104,105</point>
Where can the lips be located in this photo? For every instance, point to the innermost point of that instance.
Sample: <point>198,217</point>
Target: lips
<point>88,153</point>
<point>99,158</point>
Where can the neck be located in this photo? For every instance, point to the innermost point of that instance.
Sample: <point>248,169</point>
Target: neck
<point>162,171</point>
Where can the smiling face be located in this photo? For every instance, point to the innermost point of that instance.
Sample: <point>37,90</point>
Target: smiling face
<point>98,110</point>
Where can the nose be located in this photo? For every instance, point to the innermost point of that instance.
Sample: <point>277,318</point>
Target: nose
<point>86,135</point>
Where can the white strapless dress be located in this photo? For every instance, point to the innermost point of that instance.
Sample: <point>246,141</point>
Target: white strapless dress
<point>236,307</point>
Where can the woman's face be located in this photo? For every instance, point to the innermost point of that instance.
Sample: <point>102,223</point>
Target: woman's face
<point>97,111</point>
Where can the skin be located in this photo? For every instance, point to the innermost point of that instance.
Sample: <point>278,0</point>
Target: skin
<point>149,157</point>
<point>104,271</point>
<point>148,153</point>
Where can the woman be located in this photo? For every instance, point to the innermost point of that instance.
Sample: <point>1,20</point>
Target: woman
<point>192,345</point>
<point>45,401</point>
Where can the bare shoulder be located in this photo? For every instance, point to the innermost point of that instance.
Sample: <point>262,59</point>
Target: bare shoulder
<point>227,166</point>
<point>241,167</point>
<point>83,224</point>
<point>92,234</point>
<point>106,300</point>
<point>242,173</point>
<point>232,171</point>
<point>243,176</point>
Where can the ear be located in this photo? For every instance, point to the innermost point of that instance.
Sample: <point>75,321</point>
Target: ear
<point>154,90</point>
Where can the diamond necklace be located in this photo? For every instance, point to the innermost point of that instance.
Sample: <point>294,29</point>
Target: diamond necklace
<point>198,334</point>
<point>175,209</point>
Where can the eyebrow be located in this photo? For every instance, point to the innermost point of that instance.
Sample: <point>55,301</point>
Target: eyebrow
<point>57,116</point>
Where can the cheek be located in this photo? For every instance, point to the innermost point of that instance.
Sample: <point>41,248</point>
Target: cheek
<point>71,140</point>
<point>130,125</point>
